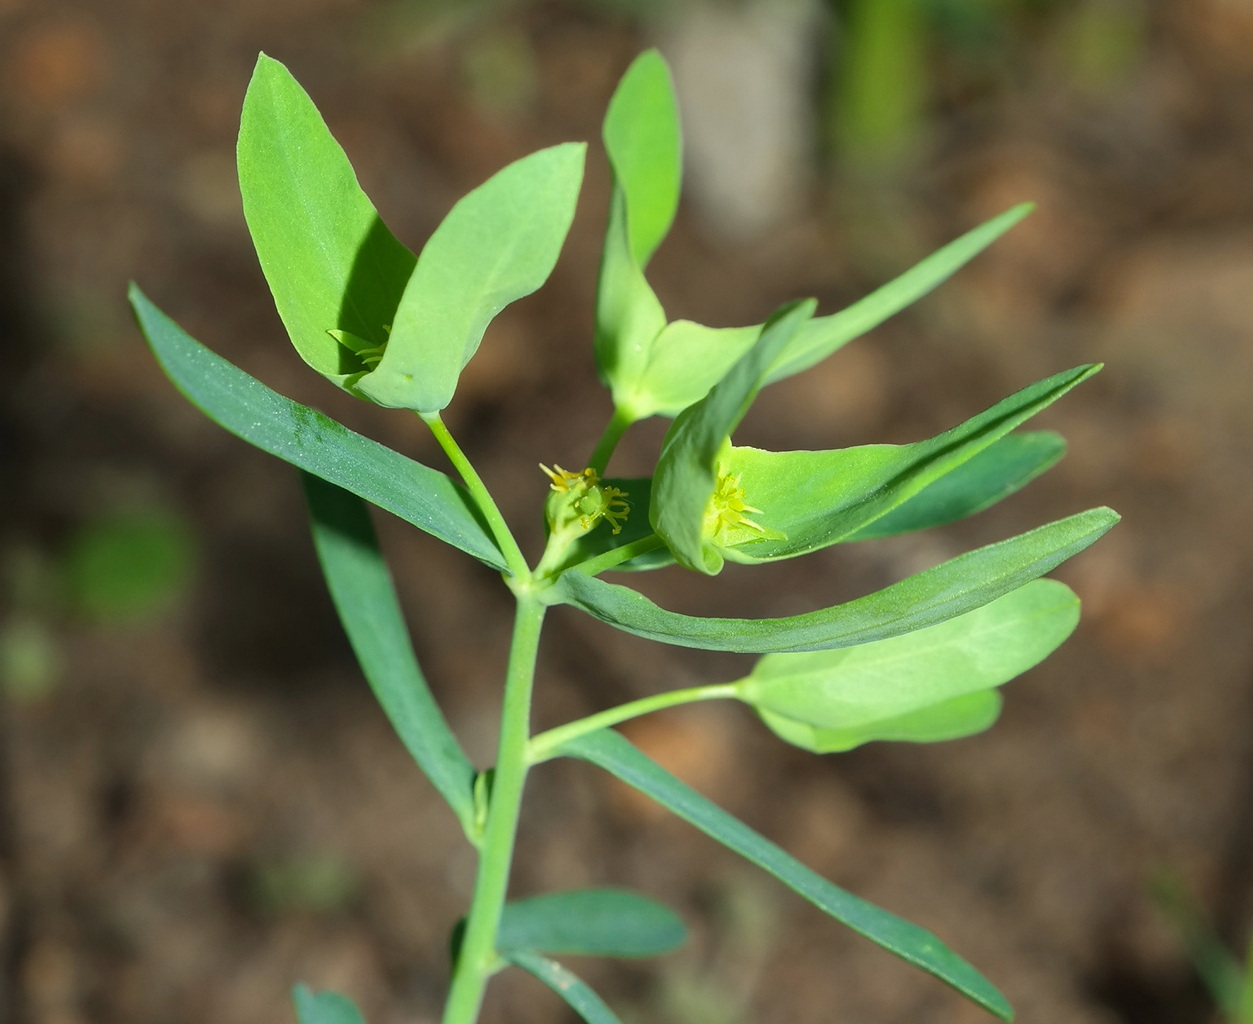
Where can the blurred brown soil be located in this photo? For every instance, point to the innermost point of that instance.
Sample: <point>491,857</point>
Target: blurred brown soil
<point>206,807</point>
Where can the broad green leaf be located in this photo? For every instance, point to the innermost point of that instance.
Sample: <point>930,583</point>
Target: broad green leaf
<point>313,442</point>
<point>497,244</point>
<point>573,989</point>
<point>950,720</point>
<point>331,263</point>
<point>682,362</point>
<point>850,691</point>
<point>643,142</point>
<point>645,147</point>
<point>324,1007</point>
<point>995,473</point>
<point>361,588</point>
<point>610,751</point>
<point>956,586</point>
<point>827,334</point>
<point>686,477</point>
<point>807,500</point>
<point>590,922</point>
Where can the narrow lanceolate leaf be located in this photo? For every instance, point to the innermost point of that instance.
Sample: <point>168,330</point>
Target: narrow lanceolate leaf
<point>330,261</point>
<point>958,585</point>
<point>497,244</point>
<point>324,1007</point>
<point>827,334</point>
<point>590,922</point>
<point>687,469</point>
<point>573,989</point>
<point>643,142</point>
<point>995,473</point>
<point>361,588</point>
<point>616,755</point>
<point>313,442</point>
<point>885,689</point>
<point>811,499</point>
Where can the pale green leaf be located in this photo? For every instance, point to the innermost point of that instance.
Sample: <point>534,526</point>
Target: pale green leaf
<point>949,720</point>
<point>644,143</point>
<point>851,690</point>
<point>331,263</point>
<point>497,244</point>
<point>812,499</point>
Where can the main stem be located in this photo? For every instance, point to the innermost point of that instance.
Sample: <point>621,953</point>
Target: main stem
<point>478,959</point>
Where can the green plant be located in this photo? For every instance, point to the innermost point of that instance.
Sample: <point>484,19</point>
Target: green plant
<point>920,660</point>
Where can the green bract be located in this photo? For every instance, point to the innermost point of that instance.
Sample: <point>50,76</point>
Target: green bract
<point>920,660</point>
<point>360,309</point>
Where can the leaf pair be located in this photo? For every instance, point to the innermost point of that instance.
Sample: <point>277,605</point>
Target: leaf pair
<point>656,367</point>
<point>359,307</point>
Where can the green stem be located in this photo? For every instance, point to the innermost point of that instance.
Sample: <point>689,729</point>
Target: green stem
<point>541,747</point>
<point>479,492</point>
<point>478,959</point>
<point>609,440</point>
<point>616,556</point>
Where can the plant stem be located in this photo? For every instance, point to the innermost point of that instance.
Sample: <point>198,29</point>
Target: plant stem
<point>478,959</point>
<point>479,492</point>
<point>542,746</point>
<point>609,440</point>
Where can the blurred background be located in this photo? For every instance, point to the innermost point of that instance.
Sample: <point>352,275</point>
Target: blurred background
<point>199,802</point>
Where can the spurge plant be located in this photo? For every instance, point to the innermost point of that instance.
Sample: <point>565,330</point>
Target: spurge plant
<point>920,660</point>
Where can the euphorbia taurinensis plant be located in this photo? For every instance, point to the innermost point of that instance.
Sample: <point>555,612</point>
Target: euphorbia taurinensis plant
<point>920,660</point>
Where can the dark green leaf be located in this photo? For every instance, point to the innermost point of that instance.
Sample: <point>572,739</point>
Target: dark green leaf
<point>590,922</point>
<point>362,590</point>
<point>573,989</point>
<point>614,754</point>
<point>995,473</point>
<point>331,263</point>
<point>297,434</point>
<point>324,1007</point>
<point>958,585</point>
<point>499,243</point>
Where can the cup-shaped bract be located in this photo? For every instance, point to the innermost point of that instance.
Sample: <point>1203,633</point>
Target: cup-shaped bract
<point>691,507</point>
<point>932,684</point>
